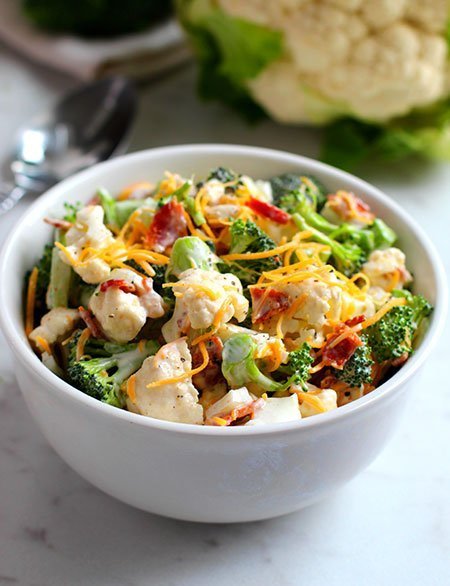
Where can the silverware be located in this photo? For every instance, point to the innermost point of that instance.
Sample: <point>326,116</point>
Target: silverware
<point>87,126</point>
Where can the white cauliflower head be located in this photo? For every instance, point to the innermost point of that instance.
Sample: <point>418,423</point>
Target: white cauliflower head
<point>58,322</point>
<point>386,269</point>
<point>174,401</point>
<point>88,231</point>
<point>315,61</point>
<point>204,298</point>
<point>122,304</point>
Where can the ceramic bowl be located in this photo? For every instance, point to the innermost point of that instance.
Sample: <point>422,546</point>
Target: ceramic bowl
<point>198,473</point>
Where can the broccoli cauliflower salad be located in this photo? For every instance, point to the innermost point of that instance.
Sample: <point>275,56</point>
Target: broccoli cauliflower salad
<point>375,71</point>
<point>228,301</point>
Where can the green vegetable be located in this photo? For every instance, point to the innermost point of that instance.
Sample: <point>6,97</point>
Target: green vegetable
<point>60,278</point>
<point>312,188</point>
<point>117,212</point>
<point>297,366</point>
<point>230,52</point>
<point>376,236</point>
<point>424,132</point>
<point>188,253</point>
<point>223,175</point>
<point>96,18</point>
<point>239,366</point>
<point>44,269</point>
<point>346,257</point>
<point>358,369</point>
<point>393,335</point>
<point>107,367</point>
<point>297,202</point>
<point>71,211</point>
<point>248,237</point>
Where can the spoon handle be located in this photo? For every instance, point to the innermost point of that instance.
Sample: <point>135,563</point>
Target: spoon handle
<point>10,196</point>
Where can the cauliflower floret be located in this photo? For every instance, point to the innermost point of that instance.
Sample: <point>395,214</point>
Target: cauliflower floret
<point>386,269</point>
<point>176,401</point>
<point>89,230</point>
<point>122,314</point>
<point>313,305</point>
<point>204,298</point>
<point>234,399</point>
<point>375,59</point>
<point>277,410</point>
<point>56,323</point>
<point>316,400</point>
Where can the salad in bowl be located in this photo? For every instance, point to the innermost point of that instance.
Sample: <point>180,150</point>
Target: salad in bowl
<point>224,300</point>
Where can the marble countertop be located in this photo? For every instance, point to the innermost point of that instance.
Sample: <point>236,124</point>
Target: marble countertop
<point>391,525</point>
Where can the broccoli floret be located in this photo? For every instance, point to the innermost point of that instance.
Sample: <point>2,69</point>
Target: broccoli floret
<point>376,236</point>
<point>117,212</point>
<point>297,202</point>
<point>346,257</point>
<point>223,175</point>
<point>190,252</point>
<point>248,237</point>
<point>358,369</point>
<point>239,366</point>
<point>284,184</point>
<point>390,337</point>
<point>106,367</point>
<point>383,235</point>
<point>297,366</point>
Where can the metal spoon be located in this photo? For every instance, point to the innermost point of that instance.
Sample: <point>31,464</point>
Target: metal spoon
<point>87,126</point>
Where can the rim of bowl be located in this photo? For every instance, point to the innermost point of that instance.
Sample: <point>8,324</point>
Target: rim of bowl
<point>56,384</point>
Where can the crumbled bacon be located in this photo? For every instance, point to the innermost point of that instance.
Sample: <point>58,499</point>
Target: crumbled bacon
<point>118,284</point>
<point>354,321</point>
<point>212,374</point>
<point>91,322</point>
<point>269,211</point>
<point>60,224</point>
<point>168,224</point>
<point>267,304</point>
<point>337,355</point>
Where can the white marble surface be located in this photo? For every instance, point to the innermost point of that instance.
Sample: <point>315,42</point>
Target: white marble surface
<point>391,525</point>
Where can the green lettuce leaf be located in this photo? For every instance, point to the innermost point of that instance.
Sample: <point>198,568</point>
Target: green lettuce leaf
<point>424,133</point>
<point>230,51</point>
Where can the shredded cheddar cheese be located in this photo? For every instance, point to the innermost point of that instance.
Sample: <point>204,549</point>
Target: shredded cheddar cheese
<point>31,301</point>
<point>185,375</point>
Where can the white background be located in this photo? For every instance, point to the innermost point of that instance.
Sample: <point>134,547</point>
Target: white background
<point>390,526</point>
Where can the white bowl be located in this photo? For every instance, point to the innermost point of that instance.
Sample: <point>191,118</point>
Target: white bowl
<point>197,473</point>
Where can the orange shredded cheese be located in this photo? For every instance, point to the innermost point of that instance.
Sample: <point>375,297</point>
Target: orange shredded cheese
<point>31,301</point>
<point>84,337</point>
<point>185,375</point>
<point>311,400</point>
<point>131,388</point>
<point>394,302</point>
<point>43,344</point>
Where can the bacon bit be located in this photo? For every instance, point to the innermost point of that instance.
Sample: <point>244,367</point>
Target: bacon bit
<point>118,284</point>
<point>349,207</point>
<point>267,303</point>
<point>337,354</point>
<point>237,415</point>
<point>91,322</point>
<point>267,210</point>
<point>212,374</point>
<point>167,225</point>
<point>354,321</point>
<point>61,224</point>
